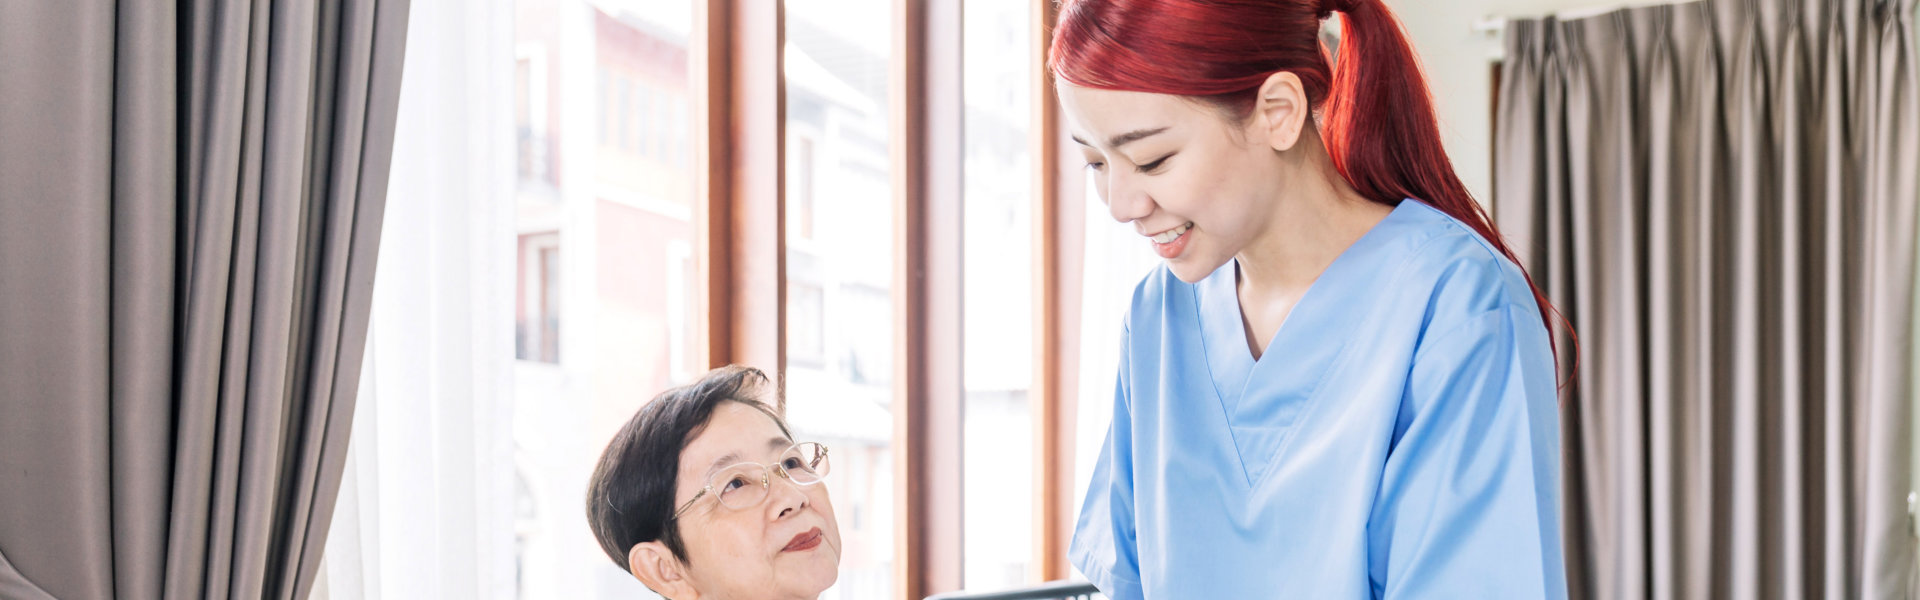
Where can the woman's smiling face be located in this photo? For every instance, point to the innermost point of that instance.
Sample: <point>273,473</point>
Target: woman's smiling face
<point>1198,185</point>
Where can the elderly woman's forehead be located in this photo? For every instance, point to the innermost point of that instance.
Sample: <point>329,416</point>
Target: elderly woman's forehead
<point>742,416</point>
<point>735,429</point>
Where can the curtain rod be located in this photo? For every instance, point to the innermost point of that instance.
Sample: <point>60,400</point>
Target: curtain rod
<point>1491,26</point>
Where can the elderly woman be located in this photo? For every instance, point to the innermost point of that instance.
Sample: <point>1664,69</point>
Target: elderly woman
<point>705,494</point>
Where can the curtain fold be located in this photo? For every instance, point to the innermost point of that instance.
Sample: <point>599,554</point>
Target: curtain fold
<point>190,202</point>
<point>1720,197</point>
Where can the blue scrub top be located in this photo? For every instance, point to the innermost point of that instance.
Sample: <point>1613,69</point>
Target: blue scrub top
<point>1399,438</point>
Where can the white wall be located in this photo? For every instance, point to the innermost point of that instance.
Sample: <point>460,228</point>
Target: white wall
<point>1457,63</point>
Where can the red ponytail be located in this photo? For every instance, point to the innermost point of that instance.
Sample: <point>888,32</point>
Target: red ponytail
<point>1378,119</point>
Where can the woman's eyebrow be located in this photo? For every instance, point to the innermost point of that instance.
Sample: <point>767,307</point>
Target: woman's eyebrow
<point>732,458</point>
<point>1125,138</point>
<point>724,461</point>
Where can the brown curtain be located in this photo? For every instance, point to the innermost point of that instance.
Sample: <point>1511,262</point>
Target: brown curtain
<point>190,202</point>
<point>1721,198</point>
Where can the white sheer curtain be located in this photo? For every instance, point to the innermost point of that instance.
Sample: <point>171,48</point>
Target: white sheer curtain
<point>1116,260</point>
<point>426,502</point>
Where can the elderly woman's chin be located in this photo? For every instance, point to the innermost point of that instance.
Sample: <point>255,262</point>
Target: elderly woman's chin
<point>811,573</point>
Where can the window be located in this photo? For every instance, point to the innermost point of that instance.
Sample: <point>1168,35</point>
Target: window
<point>523,92</point>
<point>523,528</point>
<point>609,263</point>
<point>533,148</point>
<point>538,323</point>
<point>680,301</point>
<point>680,150</point>
<point>837,127</point>
<point>800,173</point>
<point>609,296</point>
<point>603,97</point>
<point>808,345</point>
<point>997,305</point>
<point>622,113</point>
<point>643,120</point>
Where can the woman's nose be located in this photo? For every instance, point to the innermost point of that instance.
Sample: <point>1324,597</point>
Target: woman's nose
<point>1125,200</point>
<point>785,496</point>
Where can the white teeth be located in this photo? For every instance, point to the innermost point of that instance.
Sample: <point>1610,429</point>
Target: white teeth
<point>1172,234</point>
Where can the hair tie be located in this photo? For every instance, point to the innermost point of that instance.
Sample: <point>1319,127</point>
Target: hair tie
<point>1328,7</point>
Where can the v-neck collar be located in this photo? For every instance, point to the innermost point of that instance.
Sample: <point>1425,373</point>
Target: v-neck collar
<point>1307,341</point>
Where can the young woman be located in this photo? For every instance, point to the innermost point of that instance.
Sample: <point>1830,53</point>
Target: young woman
<point>1341,385</point>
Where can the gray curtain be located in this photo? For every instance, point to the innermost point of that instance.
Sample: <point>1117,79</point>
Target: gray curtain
<point>190,204</point>
<point>1721,198</point>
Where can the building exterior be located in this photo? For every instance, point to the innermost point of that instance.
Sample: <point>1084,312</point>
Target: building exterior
<point>605,272</point>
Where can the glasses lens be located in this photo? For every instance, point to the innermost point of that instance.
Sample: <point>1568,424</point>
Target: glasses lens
<point>805,463</point>
<point>741,486</point>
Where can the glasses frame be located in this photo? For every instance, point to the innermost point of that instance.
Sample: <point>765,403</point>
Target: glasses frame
<point>766,480</point>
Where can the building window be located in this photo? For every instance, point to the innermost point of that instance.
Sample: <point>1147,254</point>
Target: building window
<point>537,330</point>
<point>643,119</point>
<point>622,112</point>
<point>602,100</point>
<point>530,86</point>
<point>680,300</point>
<point>806,322</point>
<point>800,174</point>
<point>680,127</point>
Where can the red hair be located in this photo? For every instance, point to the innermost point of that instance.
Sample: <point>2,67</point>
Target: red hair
<point>1378,118</point>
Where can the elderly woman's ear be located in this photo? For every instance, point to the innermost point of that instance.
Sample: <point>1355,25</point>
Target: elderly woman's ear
<point>655,566</point>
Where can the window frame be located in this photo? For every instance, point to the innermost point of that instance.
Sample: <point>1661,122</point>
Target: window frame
<point>739,108</point>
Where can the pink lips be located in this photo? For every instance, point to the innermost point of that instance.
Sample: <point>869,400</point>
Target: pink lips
<point>805,541</point>
<point>1172,250</point>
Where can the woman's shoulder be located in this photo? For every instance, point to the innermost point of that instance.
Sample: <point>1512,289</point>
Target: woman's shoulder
<point>1459,273</point>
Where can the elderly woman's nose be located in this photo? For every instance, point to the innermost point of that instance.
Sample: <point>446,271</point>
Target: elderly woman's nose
<point>786,497</point>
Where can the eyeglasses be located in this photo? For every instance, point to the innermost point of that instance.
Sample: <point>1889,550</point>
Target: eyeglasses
<point>745,485</point>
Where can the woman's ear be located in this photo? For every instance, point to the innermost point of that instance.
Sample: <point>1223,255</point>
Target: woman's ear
<point>1281,111</point>
<point>660,571</point>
